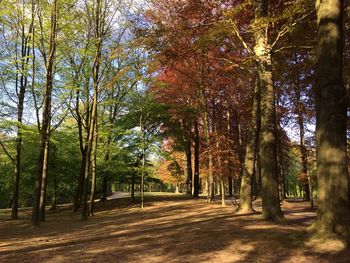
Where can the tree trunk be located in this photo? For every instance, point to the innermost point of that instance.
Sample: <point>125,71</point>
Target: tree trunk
<point>211,189</point>
<point>245,197</point>
<point>143,161</point>
<point>46,118</point>
<point>303,150</point>
<point>257,171</point>
<point>93,172</point>
<point>98,35</point>
<point>271,209</point>
<point>44,181</point>
<point>25,51</point>
<point>54,196</point>
<point>222,185</point>
<point>331,117</point>
<point>196,161</point>
<point>105,176</point>
<point>79,190</point>
<point>188,166</point>
<point>230,186</point>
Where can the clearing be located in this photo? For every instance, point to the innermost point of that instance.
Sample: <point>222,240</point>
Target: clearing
<point>171,228</point>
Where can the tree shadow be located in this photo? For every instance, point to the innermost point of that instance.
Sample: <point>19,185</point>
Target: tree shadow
<point>170,230</point>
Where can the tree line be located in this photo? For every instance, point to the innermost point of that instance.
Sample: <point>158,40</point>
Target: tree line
<point>216,96</point>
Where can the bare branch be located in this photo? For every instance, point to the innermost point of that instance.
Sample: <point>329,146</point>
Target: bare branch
<point>285,30</point>
<point>290,47</point>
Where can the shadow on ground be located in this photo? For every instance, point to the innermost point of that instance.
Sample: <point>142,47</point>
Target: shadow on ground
<point>169,229</point>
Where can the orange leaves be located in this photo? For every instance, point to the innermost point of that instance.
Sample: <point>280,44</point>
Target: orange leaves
<point>172,170</point>
<point>303,177</point>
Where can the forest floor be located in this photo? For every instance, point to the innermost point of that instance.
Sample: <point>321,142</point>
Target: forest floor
<point>171,228</point>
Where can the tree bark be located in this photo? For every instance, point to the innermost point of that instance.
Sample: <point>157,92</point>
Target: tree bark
<point>25,51</point>
<point>303,150</point>
<point>44,180</point>
<point>188,166</point>
<point>105,176</point>
<point>196,161</point>
<point>93,172</point>
<point>331,117</point>
<point>271,209</point>
<point>143,160</point>
<point>211,188</point>
<point>82,143</point>
<point>98,24</point>
<point>46,118</point>
<point>245,197</point>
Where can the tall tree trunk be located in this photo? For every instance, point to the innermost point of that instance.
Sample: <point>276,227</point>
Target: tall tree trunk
<point>331,117</point>
<point>105,176</point>
<point>303,150</point>
<point>44,180</point>
<point>112,118</point>
<point>82,143</point>
<point>25,52</point>
<point>143,160</point>
<point>230,178</point>
<point>245,197</point>
<point>230,186</point>
<point>93,172</point>
<point>46,118</point>
<point>188,166</point>
<point>99,18</point>
<point>85,210</point>
<point>211,188</point>
<point>54,196</point>
<point>79,189</point>
<point>271,209</point>
<point>239,150</point>
<point>258,171</point>
<point>196,161</point>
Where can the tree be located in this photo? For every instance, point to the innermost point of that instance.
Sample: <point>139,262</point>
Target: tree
<point>21,31</point>
<point>49,59</point>
<point>331,115</point>
<point>245,198</point>
<point>270,197</point>
<point>98,18</point>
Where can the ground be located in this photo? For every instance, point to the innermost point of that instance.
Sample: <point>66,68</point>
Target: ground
<point>170,228</point>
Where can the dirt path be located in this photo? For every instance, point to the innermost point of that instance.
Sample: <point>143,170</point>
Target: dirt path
<point>169,229</point>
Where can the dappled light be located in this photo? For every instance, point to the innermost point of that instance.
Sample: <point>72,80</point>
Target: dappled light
<point>174,131</point>
<point>169,229</point>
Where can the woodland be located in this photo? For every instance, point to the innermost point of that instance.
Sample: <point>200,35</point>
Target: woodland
<point>174,131</point>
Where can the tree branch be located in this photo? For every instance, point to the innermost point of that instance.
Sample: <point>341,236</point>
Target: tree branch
<point>288,28</point>
<point>7,153</point>
<point>290,47</point>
